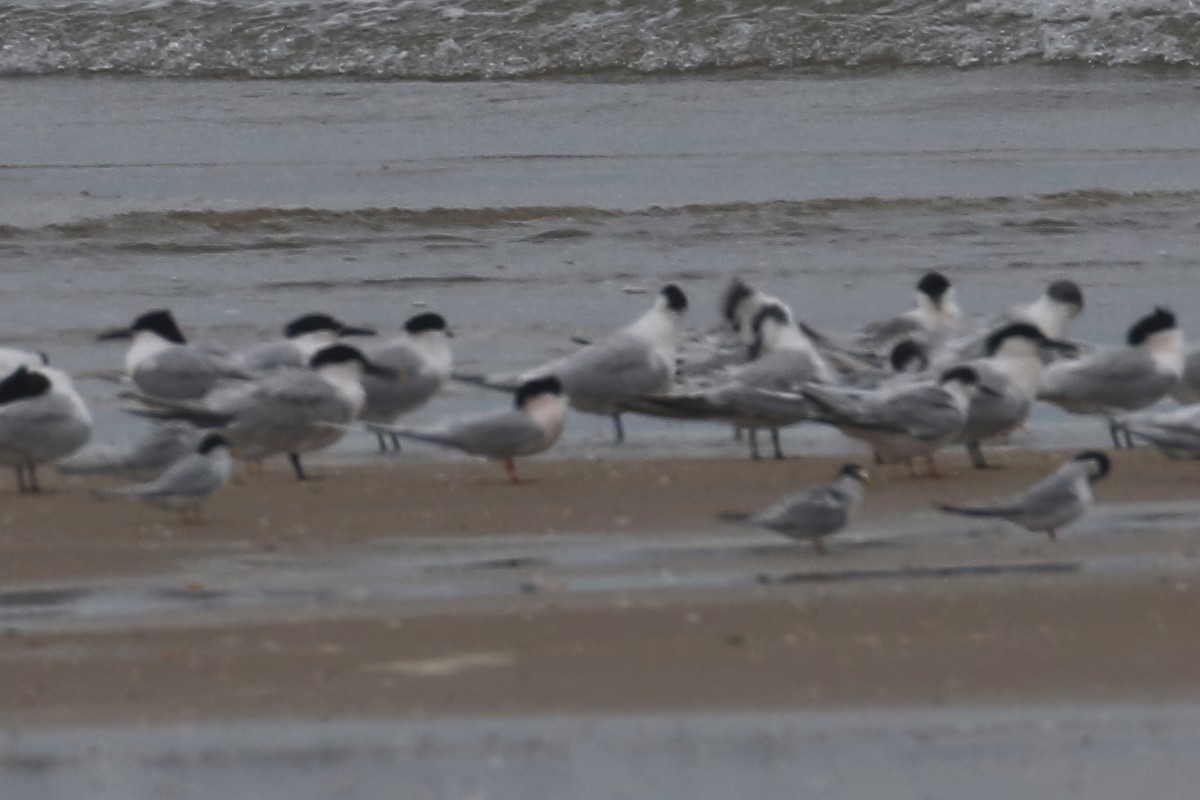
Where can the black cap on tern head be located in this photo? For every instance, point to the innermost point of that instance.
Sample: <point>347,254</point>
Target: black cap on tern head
<point>906,355</point>
<point>312,323</point>
<point>1160,320</point>
<point>336,354</point>
<point>160,321</point>
<point>1100,459</point>
<point>22,384</point>
<point>770,311</point>
<point>1066,292</point>
<point>964,375</point>
<point>933,285</point>
<point>676,299</point>
<point>425,322</point>
<point>1021,330</point>
<point>536,387</point>
<point>853,471</point>
<point>734,294</point>
<point>210,442</point>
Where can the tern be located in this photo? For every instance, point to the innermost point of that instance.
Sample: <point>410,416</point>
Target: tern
<point>189,481</point>
<point>422,362</point>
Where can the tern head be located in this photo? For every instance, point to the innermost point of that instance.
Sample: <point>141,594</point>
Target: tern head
<point>159,322</point>
<point>211,442</point>
<point>855,472</point>
<point>1022,332</point>
<point>768,320</point>
<point>427,323</point>
<point>339,355</point>
<point>732,298</point>
<point>22,384</point>
<point>536,388</point>
<point>1066,293</point>
<point>673,298</point>
<point>1159,320</point>
<point>908,356</point>
<point>322,323</point>
<point>934,285</point>
<point>1098,464</point>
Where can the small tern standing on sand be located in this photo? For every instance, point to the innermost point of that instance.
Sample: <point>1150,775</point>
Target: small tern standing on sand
<point>1117,381</point>
<point>814,513</point>
<point>188,482</point>
<point>289,411</point>
<point>302,337</point>
<point>638,359</point>
<point>162,364</point>
<point>533,425</point>
<point>42,418</point>
<point>901,421</point>
<point>1055,501</point>
<point>422,362</point>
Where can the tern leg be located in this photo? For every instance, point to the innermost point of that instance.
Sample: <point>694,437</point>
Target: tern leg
<point>383,447</point>
<point>752,438</point>
<point>20,469</point>
<point>1053,534</point>
<point>933,471</point>
<point>775,442</point>
<point>975,451</point>
<point>819,545</point>
<point>618,427</point>
<point>33,481</point>
<point>510,466</point>
<point>1114,430</point>
<point>295,459</point>
<point>395,442</point>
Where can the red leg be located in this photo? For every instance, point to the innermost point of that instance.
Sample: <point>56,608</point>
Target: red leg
<point>819,545</point>
<point>1053,534</point>
<point>510,467</point>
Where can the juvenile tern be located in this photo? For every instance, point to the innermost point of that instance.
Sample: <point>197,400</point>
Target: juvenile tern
<point>1115,381</point>
<point>422,362</point>
<point>162,364</point>
<point>533,425</point>
<point>42,418</point>
<point>902,421</point>
<point>190,480</point>
<point>814,513</point>
<point>638,359</point>
<point>289,411</point>
<point>1055,501</point>
<point>303,336</point>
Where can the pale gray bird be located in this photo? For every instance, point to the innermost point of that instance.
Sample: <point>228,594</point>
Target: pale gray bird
<point>1118,381</point>
<point>1055,501</point>
<point>302,337</point>
<point>1050,313</point>
<point>638,359</point>
<point>421,360</point>
<point>188,482</point>
<point>533,425</point>
<point>42,418</point>
<point>814,513</point>
<point>289,411</point>
<point>903,421</point>
<point>1187,391</point>
<point>165,443</point>
<point>784,360</point>
<point>161,363</point>
<point>1176,432</point>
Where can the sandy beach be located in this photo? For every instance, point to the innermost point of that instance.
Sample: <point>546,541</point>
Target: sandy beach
<point>910,609</point>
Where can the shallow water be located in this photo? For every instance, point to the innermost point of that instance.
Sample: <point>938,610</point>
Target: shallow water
<point>984,753</point>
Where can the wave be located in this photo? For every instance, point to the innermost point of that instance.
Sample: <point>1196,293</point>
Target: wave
<point>485,39</point>
<point>217,230</point>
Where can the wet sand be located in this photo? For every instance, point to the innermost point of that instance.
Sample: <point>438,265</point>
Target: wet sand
<point>938,620</point>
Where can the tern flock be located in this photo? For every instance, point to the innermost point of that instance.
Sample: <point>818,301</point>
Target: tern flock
<point>908,386</point>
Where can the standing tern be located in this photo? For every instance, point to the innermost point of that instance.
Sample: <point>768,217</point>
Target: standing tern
<point>1055,501</point>
<point>289,411</point>
<point>187,482</point>
<point>1009,378</point>
<point>1115,381</point>
<point>162,364</point>
<point>638,359</point>
<point>1176,432</point>
<point>902,421</point>
<point>1050,313</point>
<point>814,513</point>
<point>42,418</point>
<point>303,336</point>
<point>533,425</point>
<point>422,361</point>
